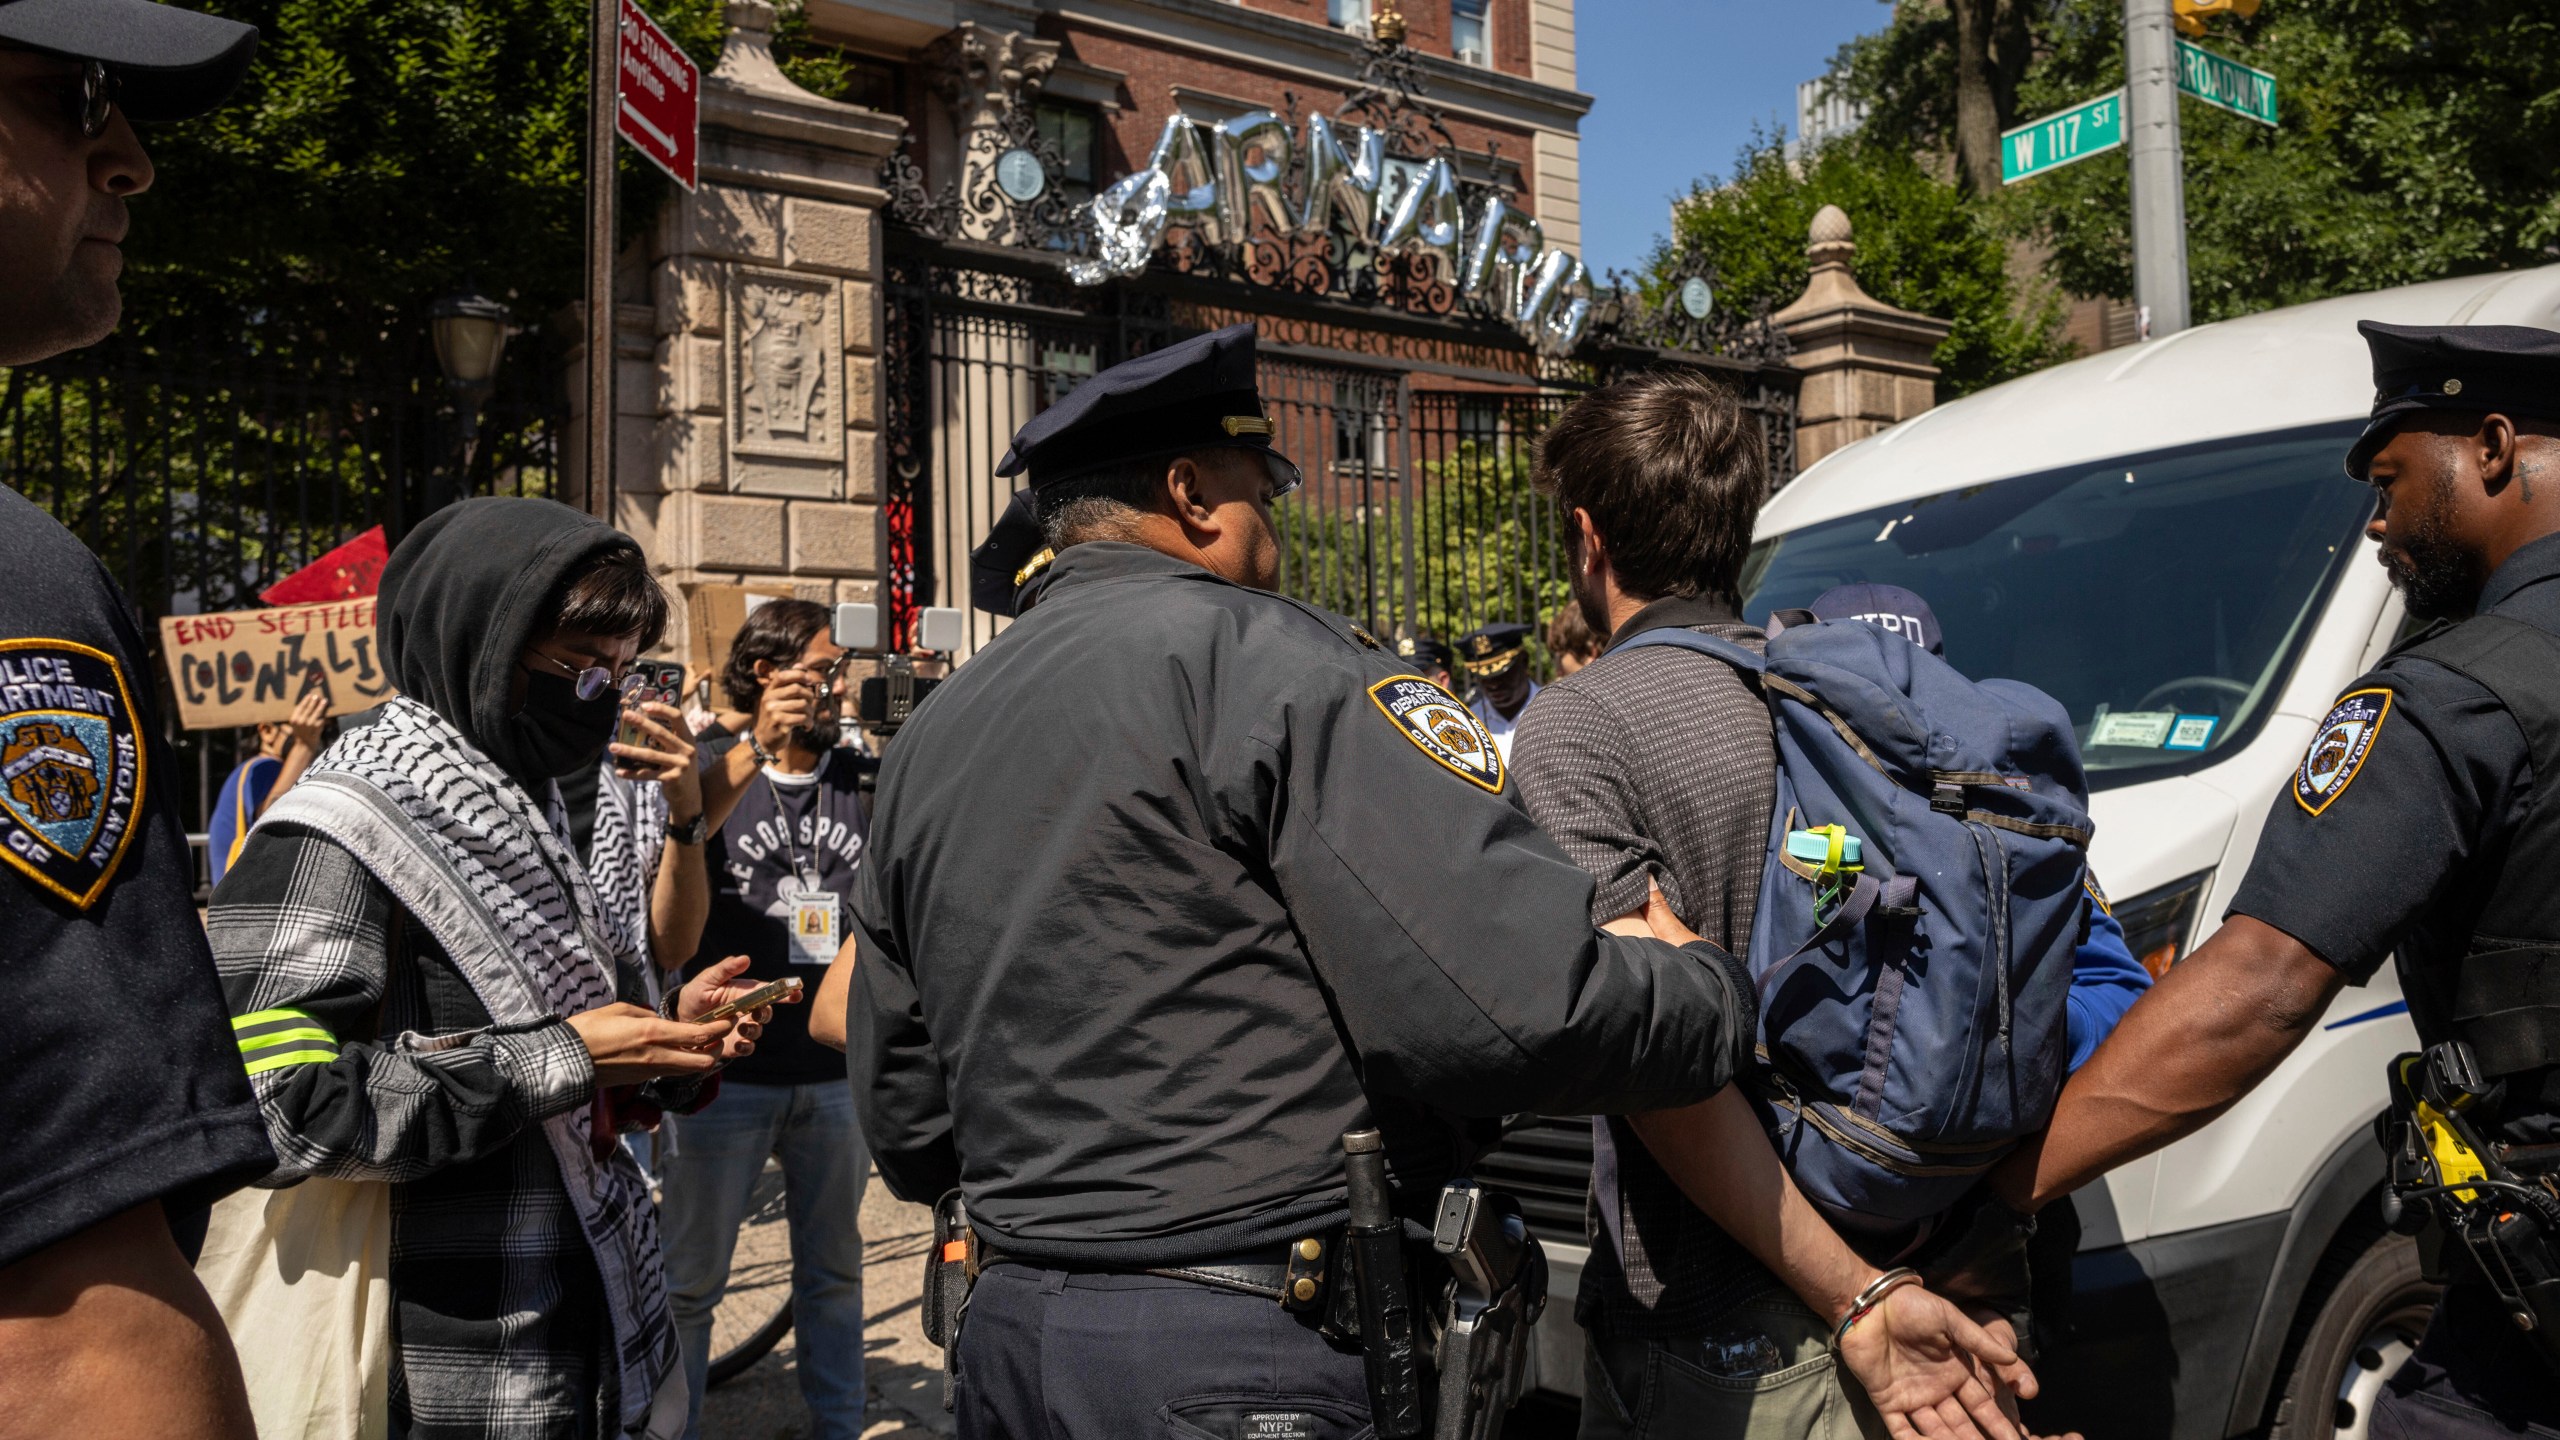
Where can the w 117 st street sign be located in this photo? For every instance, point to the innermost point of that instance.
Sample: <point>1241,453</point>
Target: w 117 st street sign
<point>2226,84</point>
<point>2086,129</point>
<point>658,99</point>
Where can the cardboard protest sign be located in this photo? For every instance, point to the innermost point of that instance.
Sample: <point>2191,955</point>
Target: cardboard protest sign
<point>713,614</point>
<point>244,666</point>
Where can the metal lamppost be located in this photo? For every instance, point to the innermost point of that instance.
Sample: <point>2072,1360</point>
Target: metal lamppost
<point>470,332</point>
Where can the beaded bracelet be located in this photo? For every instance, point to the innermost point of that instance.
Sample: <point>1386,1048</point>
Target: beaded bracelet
<point>1871,1297</point>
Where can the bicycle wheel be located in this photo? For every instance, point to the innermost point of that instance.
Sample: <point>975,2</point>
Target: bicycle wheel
<point>755,1312</point>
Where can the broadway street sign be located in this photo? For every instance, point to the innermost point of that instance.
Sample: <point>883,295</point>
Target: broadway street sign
<point>2058,139</point>
<point>2226,84</point>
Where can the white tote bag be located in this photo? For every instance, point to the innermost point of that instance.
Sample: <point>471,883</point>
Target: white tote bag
<point>302,1277</point>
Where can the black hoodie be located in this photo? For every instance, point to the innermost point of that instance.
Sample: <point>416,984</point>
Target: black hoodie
<point>465,593</point>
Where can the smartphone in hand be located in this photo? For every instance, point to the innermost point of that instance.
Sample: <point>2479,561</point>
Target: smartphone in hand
<point>755,999</point>
<point>658,681</point>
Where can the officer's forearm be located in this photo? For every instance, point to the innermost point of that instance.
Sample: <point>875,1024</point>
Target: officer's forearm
<point>2213,1027</point>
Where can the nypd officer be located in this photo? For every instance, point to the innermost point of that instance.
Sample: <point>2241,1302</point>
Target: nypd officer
<point>1497,660</point>
<point>1174,883</point>
<point>127,1108</point>
<point>2410,829</point>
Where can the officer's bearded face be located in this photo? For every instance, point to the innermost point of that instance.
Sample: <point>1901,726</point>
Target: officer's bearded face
<point>2418,478</point>
<point>62,210</point>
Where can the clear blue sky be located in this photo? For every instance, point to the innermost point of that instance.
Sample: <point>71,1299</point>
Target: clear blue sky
<point>1675,87</point>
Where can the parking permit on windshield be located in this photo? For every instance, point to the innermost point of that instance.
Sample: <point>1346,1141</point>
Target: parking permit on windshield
<point>2191,732</point>
<point>2135,729</point>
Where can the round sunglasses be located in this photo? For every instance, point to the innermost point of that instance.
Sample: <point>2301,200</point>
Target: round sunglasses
<point>593,680</point>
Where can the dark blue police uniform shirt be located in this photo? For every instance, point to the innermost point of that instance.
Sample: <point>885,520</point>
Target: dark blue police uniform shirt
<point>122,1081</point>
<point>2403,842</point>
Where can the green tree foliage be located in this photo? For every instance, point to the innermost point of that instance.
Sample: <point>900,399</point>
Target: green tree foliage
<point>2418,141</point>
<point>1923,245</point>
<point>1486,545</point>
<point>380,154</point>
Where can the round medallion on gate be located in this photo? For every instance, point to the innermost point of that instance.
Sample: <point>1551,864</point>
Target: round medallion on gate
<point>1021,176</point>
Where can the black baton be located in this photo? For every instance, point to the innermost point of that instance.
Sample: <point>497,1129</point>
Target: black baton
<point>1386,1296</point>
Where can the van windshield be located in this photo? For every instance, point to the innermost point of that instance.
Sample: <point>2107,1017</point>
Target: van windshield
<point>2162,598</point>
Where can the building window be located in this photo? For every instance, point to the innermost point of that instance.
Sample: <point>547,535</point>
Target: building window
<point>1467,32</point>
<point>873,83</point>
<point>1351,15</point>
<point>1072,130</point>
<point>1063,367</point>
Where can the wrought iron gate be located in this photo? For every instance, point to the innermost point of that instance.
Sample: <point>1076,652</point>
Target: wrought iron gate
<point>1417,516</point>
<point>200,488</point>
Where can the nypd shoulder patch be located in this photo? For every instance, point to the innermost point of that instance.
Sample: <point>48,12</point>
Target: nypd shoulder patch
<point>2339,747</point>
<point>71,765</point>
<point>1441,728</point>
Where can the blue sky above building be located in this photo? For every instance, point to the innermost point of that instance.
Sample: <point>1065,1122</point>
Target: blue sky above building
<point>1678,85</point>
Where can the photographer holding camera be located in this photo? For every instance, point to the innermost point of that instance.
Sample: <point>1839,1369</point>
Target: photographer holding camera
<point>781,866</point>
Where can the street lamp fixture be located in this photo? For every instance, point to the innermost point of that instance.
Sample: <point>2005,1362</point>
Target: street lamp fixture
<point>470,332</point>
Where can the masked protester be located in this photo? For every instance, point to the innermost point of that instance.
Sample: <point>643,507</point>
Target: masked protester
<point>415,917</point>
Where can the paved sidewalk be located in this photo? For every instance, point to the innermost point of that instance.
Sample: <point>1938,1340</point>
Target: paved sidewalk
<point>905,1371</point>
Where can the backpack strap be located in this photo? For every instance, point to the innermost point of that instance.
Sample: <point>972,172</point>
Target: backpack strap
<point>1740,657</point>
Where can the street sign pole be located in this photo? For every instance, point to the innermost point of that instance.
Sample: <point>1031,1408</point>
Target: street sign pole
<point>603,66</point>
<point>2158,172</point>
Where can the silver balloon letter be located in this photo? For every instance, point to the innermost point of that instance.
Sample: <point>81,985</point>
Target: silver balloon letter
<point>1344,182</point>
<point>1128,220</point>
<point>1428,219</point>
<point>1566,296</point>
<point>1255,150</point>
<point>1502,256</point>
<point>1191,178</point>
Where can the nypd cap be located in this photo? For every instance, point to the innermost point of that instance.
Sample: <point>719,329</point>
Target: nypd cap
<point>1887,607</point>
<point>1425,649</point>
<point>1013,552</point>
<point>1192,395</point>
<point>2505,369</point>
<point>1492,649</point>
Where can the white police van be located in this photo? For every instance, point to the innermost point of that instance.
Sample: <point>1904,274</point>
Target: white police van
<point>2162,538</point>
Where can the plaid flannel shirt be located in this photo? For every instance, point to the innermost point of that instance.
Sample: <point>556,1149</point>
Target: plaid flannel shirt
<point>371,1069</point>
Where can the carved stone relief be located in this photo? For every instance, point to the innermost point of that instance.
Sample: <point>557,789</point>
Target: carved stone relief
<point>785,345</point>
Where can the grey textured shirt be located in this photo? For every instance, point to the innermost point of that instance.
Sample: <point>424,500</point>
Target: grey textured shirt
<point>1659,763</point>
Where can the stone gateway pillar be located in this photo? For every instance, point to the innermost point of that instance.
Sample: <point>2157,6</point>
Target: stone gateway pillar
<point>1866,365</point>
<point>752,453</point>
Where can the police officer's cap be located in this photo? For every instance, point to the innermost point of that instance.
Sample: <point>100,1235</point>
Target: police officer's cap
<point>1013,552</point>
<point>1887,607</point>
<point>1425,650</point>
<point>1196,394</point>
<point>1493,649</point>
<point>164,62</point>
<point>2504,369</point>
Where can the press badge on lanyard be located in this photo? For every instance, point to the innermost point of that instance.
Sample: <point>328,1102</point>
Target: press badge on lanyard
<point>813,924</point>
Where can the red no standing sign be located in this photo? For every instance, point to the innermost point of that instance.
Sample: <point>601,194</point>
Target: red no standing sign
<point>658,105</point>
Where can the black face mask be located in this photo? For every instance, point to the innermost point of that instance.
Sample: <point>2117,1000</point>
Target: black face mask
<point>557,733</point>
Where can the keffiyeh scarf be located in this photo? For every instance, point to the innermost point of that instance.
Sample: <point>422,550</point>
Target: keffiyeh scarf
<point>463,848</point>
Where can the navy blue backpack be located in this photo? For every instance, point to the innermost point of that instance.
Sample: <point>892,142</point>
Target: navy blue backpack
<point>1917,918</point>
